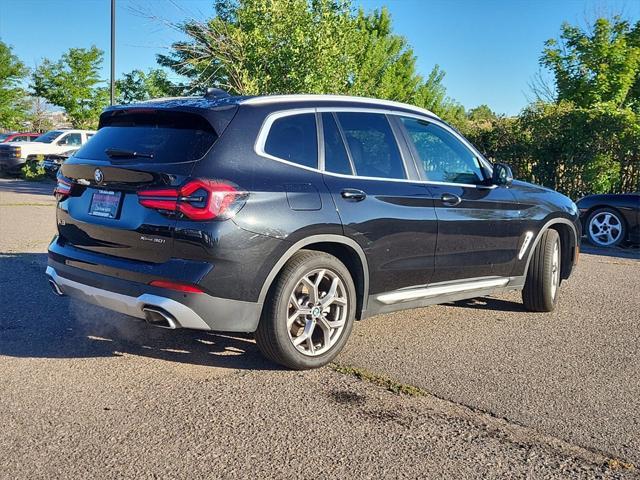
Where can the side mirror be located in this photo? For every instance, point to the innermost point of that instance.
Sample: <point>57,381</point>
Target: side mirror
<point>502,175</point>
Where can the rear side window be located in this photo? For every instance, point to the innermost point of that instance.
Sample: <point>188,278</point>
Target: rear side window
<point>336,159</point>
<point>294,138</point>
<point>373,147</point>
<point>157,136</point>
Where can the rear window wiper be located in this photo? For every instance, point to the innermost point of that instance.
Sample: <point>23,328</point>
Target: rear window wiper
<point>119,153</point>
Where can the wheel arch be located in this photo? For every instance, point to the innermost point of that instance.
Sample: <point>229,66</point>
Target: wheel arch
<point>344,249</point>
<point>569,242</point>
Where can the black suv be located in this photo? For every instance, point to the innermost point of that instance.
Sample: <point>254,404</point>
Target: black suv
<point>293,216</point>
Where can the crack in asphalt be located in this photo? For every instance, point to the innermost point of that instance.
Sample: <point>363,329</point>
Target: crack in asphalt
<point>495,426</point>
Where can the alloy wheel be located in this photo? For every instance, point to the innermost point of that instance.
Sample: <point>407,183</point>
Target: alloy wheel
<point>605,229</point>
<point>317,312</point>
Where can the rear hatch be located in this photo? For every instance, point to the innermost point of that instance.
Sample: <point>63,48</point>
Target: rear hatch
<point>118,193</point>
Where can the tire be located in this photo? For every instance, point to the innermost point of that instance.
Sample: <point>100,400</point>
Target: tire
<point>329,325</point>
<point>542,285</point>
<point>605,227</point>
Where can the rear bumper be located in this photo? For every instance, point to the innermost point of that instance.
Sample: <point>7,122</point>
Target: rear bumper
<point>186,310</point>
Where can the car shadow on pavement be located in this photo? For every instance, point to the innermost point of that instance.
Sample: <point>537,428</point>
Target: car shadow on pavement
<point>36,323</point>
<point>14,185</point>
<point>489,303</point>
<point>630,252</point>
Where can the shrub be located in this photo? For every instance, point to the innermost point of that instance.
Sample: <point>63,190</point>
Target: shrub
<point>33,171</point>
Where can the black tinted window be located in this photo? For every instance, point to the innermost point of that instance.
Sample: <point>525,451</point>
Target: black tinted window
<point>49,136</point>
<point>442,157</point>
<point>169,136</point>
<point>294,138</point>
<point>335,154</point>
<point>372,145</point>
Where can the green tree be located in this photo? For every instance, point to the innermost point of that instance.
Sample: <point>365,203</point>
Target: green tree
<point>137,86</point>
<point>596,66</point>
<point>481,113</point>
<point>74,83</point>
<point>586,139</point>
<point>14,106</point>
<point>253,47</point>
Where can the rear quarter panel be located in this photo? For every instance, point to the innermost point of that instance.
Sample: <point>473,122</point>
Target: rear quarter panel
<point>285,204</point>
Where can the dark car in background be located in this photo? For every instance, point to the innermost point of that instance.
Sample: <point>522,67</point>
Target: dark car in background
<point>611,219</point>
<point>18,137</point>
<point>54,161</point>
<point>293,216</point>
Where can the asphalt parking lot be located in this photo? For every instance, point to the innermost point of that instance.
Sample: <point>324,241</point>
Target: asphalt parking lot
<point>473,389</point>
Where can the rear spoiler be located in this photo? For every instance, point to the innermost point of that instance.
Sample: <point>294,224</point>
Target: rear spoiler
<point>218,116</point>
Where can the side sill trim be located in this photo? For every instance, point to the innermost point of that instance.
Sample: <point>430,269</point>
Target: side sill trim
<point>415,293</point>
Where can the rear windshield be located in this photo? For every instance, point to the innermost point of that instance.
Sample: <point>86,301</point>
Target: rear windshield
<point>155,137</point>
<point>49,136</point>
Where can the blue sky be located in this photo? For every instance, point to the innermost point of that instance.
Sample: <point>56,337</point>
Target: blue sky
<point>489,49</point>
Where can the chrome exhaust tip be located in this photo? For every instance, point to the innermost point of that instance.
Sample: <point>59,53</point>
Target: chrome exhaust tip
<point>55,288</point>
<point>159,317</point>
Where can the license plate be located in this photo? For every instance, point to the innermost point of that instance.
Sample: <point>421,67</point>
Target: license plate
<point>105,203</point>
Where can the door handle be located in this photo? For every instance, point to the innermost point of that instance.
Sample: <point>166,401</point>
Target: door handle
<point>450,199</point>
<point>353,194</point>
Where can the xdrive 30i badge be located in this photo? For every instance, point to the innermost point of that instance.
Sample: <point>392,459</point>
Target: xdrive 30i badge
<point>152,239</point>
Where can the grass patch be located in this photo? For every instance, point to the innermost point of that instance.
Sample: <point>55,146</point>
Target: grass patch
<point>379,380</point>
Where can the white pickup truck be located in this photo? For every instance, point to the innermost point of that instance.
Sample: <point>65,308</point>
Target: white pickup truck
<point>13,155</point>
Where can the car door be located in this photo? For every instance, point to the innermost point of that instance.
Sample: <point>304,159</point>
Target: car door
<point>381,204</point>
<point>479,224</point>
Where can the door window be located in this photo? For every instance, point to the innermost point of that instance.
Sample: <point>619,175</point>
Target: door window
<point>373,147</point>
<point>441,156</point>
<point>336,159</point>
<point>293,138</point>
<point>72,139</point>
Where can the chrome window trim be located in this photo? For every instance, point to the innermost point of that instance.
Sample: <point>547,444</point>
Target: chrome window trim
<point>272,117</point>
<point>261,141</point>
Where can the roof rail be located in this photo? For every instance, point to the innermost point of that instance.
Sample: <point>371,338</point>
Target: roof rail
<point>267,99</point>
<point>215,93</point>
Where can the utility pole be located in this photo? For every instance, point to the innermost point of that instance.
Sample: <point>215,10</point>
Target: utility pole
<point>113,50</point>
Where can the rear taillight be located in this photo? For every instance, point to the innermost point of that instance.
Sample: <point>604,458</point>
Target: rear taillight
<point>197,199</point>
<point>63,188</point>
